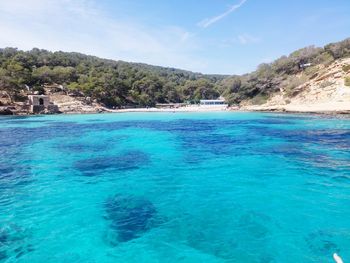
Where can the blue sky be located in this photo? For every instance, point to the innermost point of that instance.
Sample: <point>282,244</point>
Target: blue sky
<point>209,36</point>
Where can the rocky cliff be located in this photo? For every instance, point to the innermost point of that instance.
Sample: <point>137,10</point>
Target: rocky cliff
<point>326,91</point>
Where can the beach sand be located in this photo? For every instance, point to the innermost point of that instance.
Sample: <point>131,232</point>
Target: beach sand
<point>191,108</point>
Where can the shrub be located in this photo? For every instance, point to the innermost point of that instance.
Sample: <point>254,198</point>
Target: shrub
<point>324,58</point>
<point>346,68</point>
<point>259,99</point>
<point>39,89</point>
<point>290,85</point>
<point>326,84</point>
<point>340,49</point>
<point>347,81</point>
<point>311,71</point>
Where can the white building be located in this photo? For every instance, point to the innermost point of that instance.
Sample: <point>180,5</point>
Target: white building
<point>219,102</point>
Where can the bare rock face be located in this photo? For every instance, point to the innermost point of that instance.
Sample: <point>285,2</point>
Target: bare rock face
<point>326,92</point>
<point>6,111</point>
<point>71,104</point>
<point>4,98</point>
<point>52,109</point>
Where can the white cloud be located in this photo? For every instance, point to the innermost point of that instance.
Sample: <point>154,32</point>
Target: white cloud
<point>80,25</point>
<point>209,21</point>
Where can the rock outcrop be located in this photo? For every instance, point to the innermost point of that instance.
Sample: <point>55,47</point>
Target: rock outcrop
<point>72,104</point>
<point>324,92</point>
<point>6,111</point>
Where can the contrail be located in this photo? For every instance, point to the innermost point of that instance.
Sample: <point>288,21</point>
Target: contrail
<point>209,21</point>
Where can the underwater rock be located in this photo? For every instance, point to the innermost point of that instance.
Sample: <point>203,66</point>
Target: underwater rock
<point>252,224</point>
<point>12,176</point>
<point>217,144</point>
<point>338,138</point>
<point>3,255</point>
<point>272,121</point>
<point>12,170</point>
<point>5,170</point>
<point>130,216</point>
<point>4,240</point>
<point>13,241</point>
<point>3,237</point>
<point>322,242</point>
<point>94,120</point>
<point>126,161</point>
<point>194,158</point>
<point>26,121</point>
<point>222,234</point>
<point>81,147</point>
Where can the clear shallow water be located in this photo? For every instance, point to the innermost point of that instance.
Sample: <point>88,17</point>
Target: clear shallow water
<point>192,187</point>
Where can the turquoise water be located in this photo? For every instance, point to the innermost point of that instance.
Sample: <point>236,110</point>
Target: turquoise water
<point>174,187</point>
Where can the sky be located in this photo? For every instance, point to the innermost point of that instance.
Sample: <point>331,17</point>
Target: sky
<point>208,36</point>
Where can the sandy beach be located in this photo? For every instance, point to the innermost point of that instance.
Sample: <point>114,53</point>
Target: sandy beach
<point>194,108</point>
<point>327,108</point>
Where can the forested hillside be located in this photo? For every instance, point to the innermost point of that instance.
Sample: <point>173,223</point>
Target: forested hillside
<point>117,83</point>
<point>285,74</point>
<point>113,83</point>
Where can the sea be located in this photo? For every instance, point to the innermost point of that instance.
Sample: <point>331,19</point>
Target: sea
<point>175,187</point>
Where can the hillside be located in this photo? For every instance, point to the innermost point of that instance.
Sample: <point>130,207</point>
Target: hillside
<point>316,76</point>
<point>325,91</point>
<point>310,76</point>
<point>110,83</point>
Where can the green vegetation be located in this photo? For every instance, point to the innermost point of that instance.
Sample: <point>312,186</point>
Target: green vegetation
<point>118,83</point>
<point>291,83</point>
<point>326,84</point>
<point>346,68</point>
<point>286,73</point>
<point>259,99</point>
<point>113,83</point>
<point>347,81</point>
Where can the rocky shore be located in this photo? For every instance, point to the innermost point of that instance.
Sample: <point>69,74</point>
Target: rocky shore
<point>71,108</point>
<point>326,92</point>
<point>327,108</point>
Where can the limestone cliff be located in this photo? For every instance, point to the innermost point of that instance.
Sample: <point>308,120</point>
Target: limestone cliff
<point>326,91</point>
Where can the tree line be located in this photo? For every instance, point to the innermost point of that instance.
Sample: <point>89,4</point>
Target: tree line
<point>113,83</point>
<point>118,83</point>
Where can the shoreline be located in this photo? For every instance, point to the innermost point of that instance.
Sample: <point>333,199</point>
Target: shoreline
<point>292,109</point>
<point>331,108</point>
<point>345,115</point>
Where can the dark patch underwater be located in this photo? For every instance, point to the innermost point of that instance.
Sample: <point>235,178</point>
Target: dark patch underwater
<point>125,161</point>
<point>129,217</point>
<point>14,242</point>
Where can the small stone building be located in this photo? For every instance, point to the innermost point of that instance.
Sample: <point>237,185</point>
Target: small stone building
<point>38,103</point>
